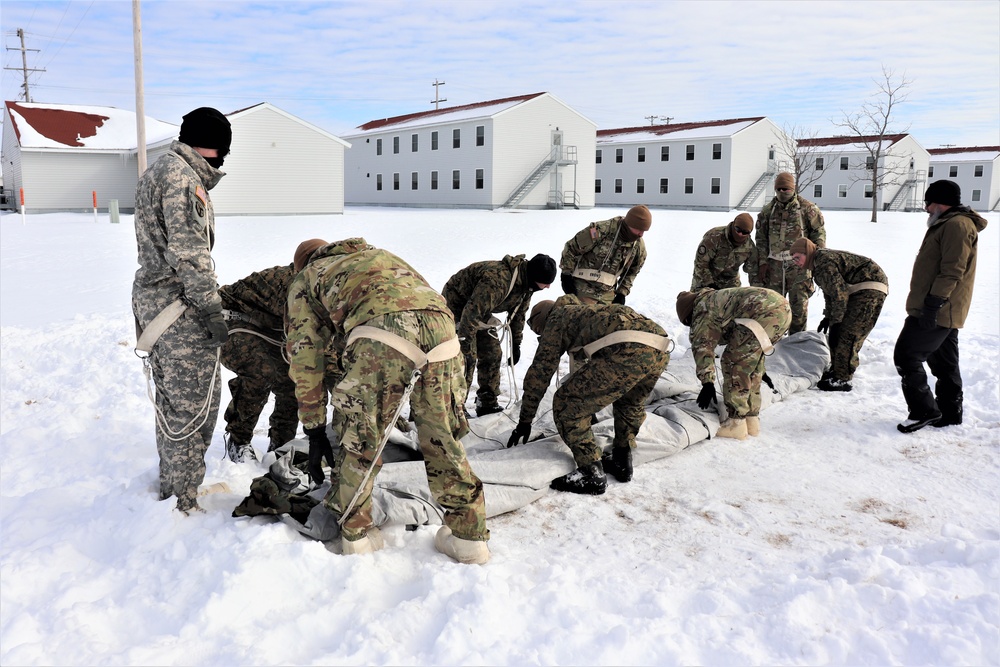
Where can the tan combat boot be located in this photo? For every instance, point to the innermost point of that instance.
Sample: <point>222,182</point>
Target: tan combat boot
<point>370,543</point>
<point>733,428</point>
<point>753,425</point>
<point>471,552</point>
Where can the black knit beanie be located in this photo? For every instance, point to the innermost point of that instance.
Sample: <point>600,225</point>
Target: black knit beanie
<point>943,192</point>
<point>542,269</point>
<point>206,128</point>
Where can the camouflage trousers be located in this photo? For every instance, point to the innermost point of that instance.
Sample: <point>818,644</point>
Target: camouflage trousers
<point>485,365</point>
<point>593,292</point>
<point>620,375</point>
<point>185,373</point>
<point>364,401</point>
<point>260,371</point>
<point>797,284</point>
<point>742,361</point>
<point>863,309</point>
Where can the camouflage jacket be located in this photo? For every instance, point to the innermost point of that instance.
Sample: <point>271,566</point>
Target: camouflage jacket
<point>262,297</point>
<point>480,289</point>
<point>346,284</point>
<point>571,325</point>
<point>718,259</point>
<point>835,270</point>
<point>600,246</point>
<point>175,232</point>
<point>713,321</point>
<point>778,225</point>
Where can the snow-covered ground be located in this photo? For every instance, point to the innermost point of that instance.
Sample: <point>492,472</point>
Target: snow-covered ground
<point>829,539</point>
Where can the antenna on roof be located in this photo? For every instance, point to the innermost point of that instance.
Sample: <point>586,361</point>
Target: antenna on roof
<point>651,119</point>
<point>666,119</point>
<point>437,100</point>
<point>24,64</point>
<point>948,145</point>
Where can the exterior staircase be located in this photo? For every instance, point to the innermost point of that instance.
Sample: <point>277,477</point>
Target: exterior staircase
<point>559,156</point>
<point>903,199</point>
<point>758,187</point>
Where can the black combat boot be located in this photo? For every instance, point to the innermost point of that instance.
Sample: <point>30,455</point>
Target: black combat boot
<point>487,406</point>
<point>237,451</point>
<point>619,463</point>
<point>589,479</point>
<point>950,416</point>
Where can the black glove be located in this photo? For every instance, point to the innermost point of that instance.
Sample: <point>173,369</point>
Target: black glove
<point>929,313</point>
<point>767,380</point>
<point>515,353</point>
<point>521,432</point>
<point>619,299</point>
<point>211,317</point>
<point>319,447</point>
<point>824,325</point>
<point>707,395</point>
<point>834,336</point>
<point>569,287</point>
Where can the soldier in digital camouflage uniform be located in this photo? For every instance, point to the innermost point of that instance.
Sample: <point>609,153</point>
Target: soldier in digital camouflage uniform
<point>350,287</point>
<point>473,295</point>
<point>854,288</point>
<point>255,310</point>
<point>713,316</point>
<point>721,253</point>
<point>784,219</point>
<point>620,373</point>
<point>600,263</point>
<point>175,232</point>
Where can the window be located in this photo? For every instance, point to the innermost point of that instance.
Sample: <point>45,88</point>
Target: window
<point>817,191</point>
<point>843,164</point>
<point>953,171</point>
<point>868,190</point>
<point>618,186</point>
<point>640,186</point>
<point>479,179</point>
<point>395,144</point>
<point>619,155</point>
<point>395,181</point>
<point>664,153</point>
<point>434,179</point>
<point>456,138</point>
<point>977,171</point>
<point>716,151</point>
<point>842,191</point>
<point>413,180</point>
<point>930,171</point>
<point>414,142</point>
<point>716,186</point>
<point>819,164</point>
<point>663,186</point>
<point>689,151</point>
<point>480,135</point>
<point>378,182</point>
<point>378,147</point>
<point>770,153</point>
<point>640,154</point>
<point>688,186</point>
<point>869,162</point>
<point>977,195</point>
<point>599,154</point>
<point>434,141</point>
<point>597,185</point>
<point>456,180</point>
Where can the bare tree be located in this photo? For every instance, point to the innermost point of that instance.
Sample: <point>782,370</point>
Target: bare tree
<point>872,128</point>
<point>808,162</point>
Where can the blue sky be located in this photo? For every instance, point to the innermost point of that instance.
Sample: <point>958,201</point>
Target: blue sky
<point>340,64</point>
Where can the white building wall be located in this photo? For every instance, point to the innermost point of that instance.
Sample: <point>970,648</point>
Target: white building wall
<point>751,152</point>
<point>988,184</point>
<point>64,181</point>
<point>11,158</point>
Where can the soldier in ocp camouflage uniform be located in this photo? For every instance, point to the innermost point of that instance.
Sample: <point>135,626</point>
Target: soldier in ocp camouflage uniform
<point>473,295</point>
<point>854,288</point>
<point>721,253</point>
<point>601,262</point>
<point>347,285</point>
<point>620,373</point>
<point>713,317</point>
<point>784,219</point>
<point>175,232</point>
<point>255,309</point>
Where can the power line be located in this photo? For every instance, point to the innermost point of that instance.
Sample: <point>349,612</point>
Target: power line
<point>24,65</point>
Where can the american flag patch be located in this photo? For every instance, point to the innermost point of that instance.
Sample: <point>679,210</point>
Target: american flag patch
<point>200,193</point>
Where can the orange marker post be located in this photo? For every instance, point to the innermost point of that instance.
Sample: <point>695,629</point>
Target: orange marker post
<point>22,206</point>
<point>94,194</point>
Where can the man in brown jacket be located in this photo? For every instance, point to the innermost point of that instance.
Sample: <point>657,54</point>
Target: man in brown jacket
<point>940,295</point>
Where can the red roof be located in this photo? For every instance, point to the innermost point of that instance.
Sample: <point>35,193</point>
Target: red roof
<point>60,125</point>
<point>964,149</point>
<point>677,127</point>
<point>840,141</point>
<point>375,124</point>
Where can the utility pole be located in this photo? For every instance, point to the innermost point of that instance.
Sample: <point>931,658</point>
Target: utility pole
<point>24,64</point>
<point>437,100</point>
<point>666,119</point>
<point>651,119</point>
<point>140,103</point>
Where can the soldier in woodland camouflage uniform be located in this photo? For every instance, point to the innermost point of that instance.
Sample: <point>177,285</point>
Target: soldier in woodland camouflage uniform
<point>855,288</point>
<point>175,232</point>
<point>601,262</point>
<point>782,220</point>
<point>473,295</point>
<point>721,253</point>
<point>714,317</point>
<point>255,309</point>
<point>620,373</point>
<point>349,287</point>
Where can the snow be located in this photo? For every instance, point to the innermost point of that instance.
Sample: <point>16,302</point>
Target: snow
<point>469,112</point>
<point>116,133</point>
<point>829,539</point>
<point>720,129</point>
